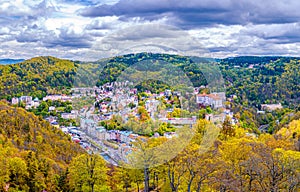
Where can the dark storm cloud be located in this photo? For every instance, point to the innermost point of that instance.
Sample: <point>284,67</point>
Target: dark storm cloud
<point>197,13</point>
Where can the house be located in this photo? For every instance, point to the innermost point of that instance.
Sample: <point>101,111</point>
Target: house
<point>179,121</point>
<point>215,118</point>
<point>26,99</point>
<point>65,129</point>
<point>51,108</point>
<point>124,136</point>
<point>55,124</point>
<point>151,106</point>
<point>170,135</point>
<point>133,137</point>
<point>271,107</point>
<point>114,135</point>
<point>124,151</point>
<point>27,107</point>
<point>52,97</point>
<point>15,101</point>
<point>133,91</point>
<point>212,100</point>
<point>261,112</point>
<point>51,119</point>
<point>65,98</point>
<point>168,93</point>
<point>161,94</point>
<point>62,98</point>
<point>36,102</point>
<point>101,133</point>
<point>68,116</point>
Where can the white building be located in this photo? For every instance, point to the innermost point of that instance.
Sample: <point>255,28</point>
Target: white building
<point>271,107</point>
<point>213,100</point>
<point>36,102</point>
<point>63,98</point>
<point>101,133</point>
<point>26,99</point>
<point>68,116</point>
<point>124,136</point>
<point>51,108</point>
<point>15,101</point>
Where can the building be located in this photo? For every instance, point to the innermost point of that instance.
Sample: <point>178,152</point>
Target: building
<point>170,135</point>
<point>15,101</point>
<point>179,121</point>
<point>271,107</point>
<point>68,116</point>
<point>124,136</point>
<point>101,133</point>
<point>36,102</point>
<point>220,118</point>
<point>212,100</point>
<point>62,98</point>
<point>168,93</point>
<point>51,108</point>
<point>26,99</point>
<point>55,124</point>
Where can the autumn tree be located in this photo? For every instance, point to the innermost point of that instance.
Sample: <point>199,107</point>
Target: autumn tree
<point>227,129</point>
<point>88,173</point>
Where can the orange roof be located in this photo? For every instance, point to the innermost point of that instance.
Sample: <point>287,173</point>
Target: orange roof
<point>213,96</point>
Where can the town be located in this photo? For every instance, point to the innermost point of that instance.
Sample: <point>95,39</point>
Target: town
<point>95,117</point>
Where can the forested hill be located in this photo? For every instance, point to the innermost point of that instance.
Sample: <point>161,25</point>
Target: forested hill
<point>246,61</point>
<point>36,76</point>
<point>32,152</point>
<point>254,80</point>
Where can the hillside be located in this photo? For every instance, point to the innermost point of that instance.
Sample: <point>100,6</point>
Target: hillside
<point>35,156</point>
<point>245,61</point>
<point>254,80</point>
<point>28,143</point>
<point>274,82</point>
<point>36,77</point>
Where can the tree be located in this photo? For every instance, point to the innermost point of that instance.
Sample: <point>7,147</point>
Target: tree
<point>18,173</point>
<point>200,166</point>
<point>227,129</point>
<point>144,157</point>
<point>35,177</point>
<point>88,173</point>
<point>144,116</point>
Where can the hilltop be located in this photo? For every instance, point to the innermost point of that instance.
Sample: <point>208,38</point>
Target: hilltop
<point>36,76</point>
<point>253,80</point>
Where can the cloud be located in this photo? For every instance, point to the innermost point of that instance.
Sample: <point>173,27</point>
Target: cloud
<point>92,29</point>
<point>276,33</point>
<point>68,38</point>
<point>148,38</point>
<point>195,13</point>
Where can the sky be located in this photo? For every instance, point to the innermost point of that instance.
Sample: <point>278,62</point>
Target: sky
<point>94,29</point>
